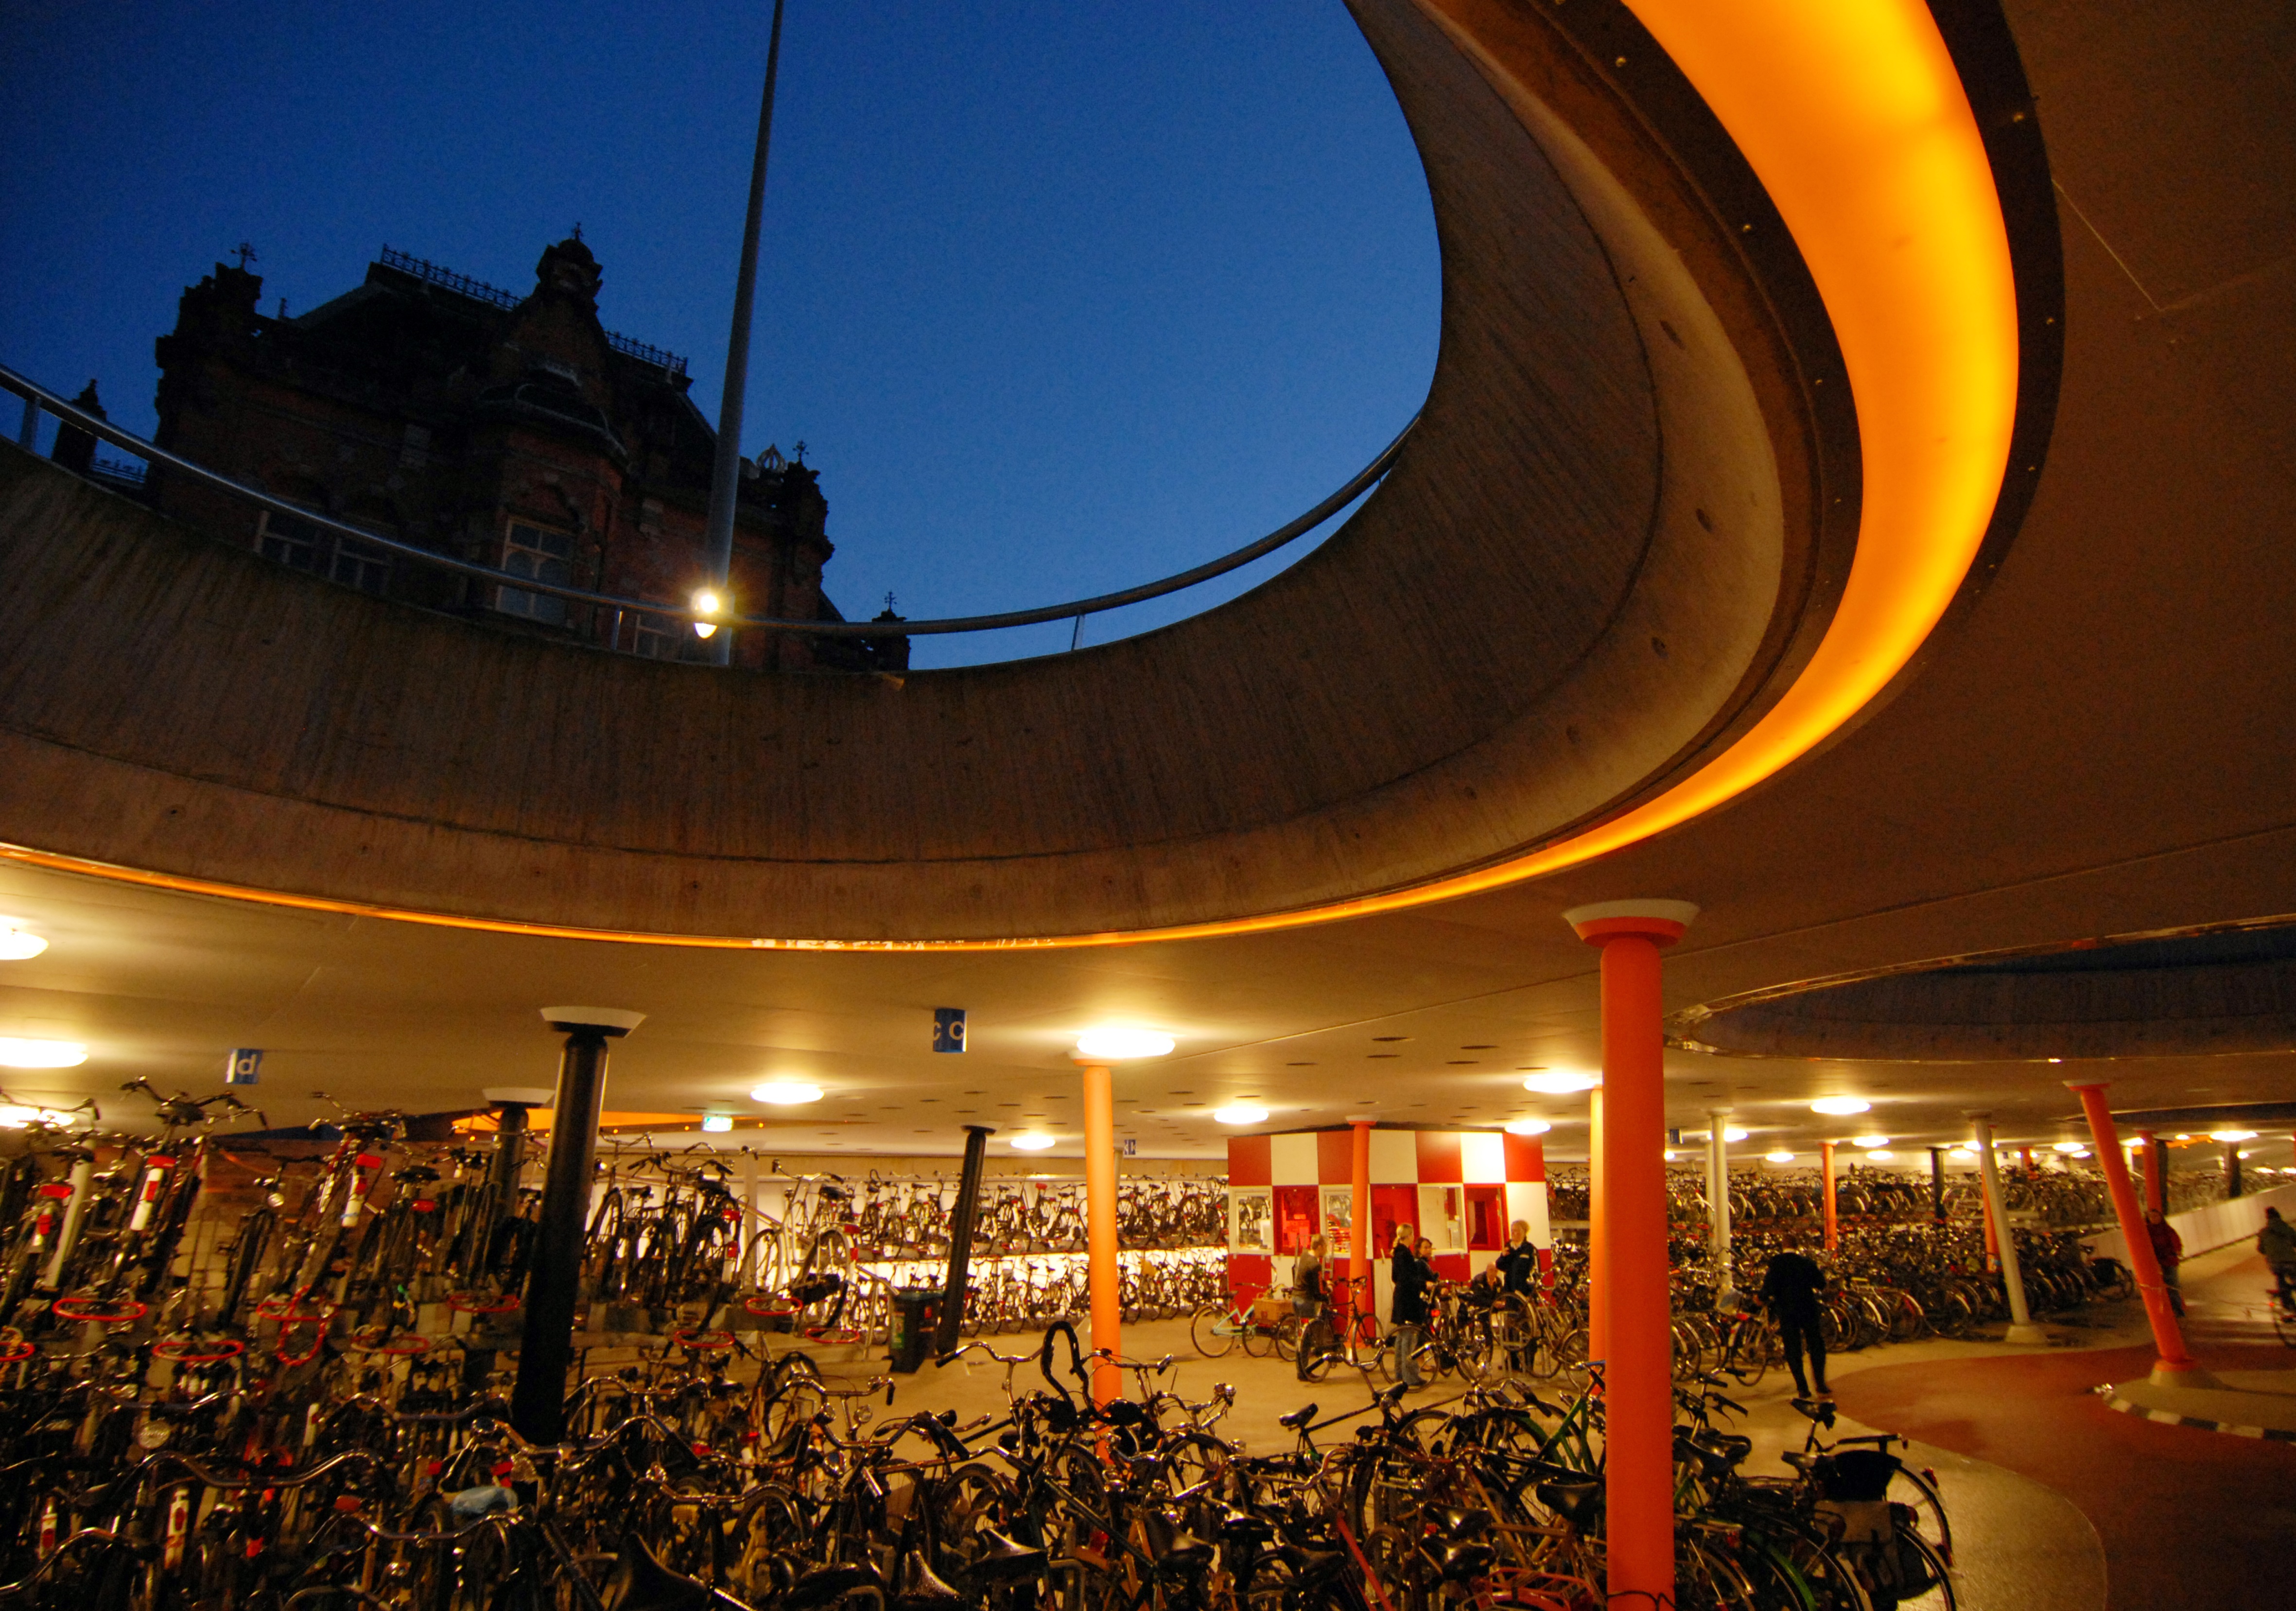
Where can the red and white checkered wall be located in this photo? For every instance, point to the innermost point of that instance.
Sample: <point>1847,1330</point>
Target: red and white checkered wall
<point>1460,1188</point>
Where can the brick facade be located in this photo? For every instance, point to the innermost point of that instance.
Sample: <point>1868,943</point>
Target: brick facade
<point>514,432</point>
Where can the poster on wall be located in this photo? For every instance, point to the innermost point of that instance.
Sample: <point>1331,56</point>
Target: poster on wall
<point>1339,1213</point>
<point>1250,1217</point>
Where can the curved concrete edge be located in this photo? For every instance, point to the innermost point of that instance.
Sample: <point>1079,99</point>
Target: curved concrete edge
<point>2019,1545</point>
<point>2215,1406</point>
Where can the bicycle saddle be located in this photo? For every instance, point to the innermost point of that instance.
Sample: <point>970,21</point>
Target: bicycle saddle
<point>1804,1463</point>
<point>1580,1503</point>
<point>922,1589</point>
<point>1459,1525</point>
<point>1461,1562</point>
<point>1298,1418</point>
<point>1243,1527</point>
<point>639,1582</point>
<point>1003,1559</point>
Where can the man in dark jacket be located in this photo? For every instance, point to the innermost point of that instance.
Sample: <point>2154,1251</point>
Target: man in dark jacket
<point>1789,1290</point>
<point>1409,1311</point>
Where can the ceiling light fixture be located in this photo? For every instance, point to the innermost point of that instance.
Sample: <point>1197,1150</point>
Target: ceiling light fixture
<point>1733,1133</point>
<point>787,1093</point>
<point>16,945</point>
<point>2068,1146</point>
<point>717,1125</point>
<point>1869,1142</point>
<point>1963,1153</point>
<point>20,1052</point>
<point>1527,1127</point>
<point>1031,1143</point>
<point>1839,1108</point>
<point>1780,1156</point>
<point>15,1116</point>
<point>1880,1154</point>
<point>1561,1084</point>
<point>2214,1135</point>
<point>1119,1045</point>
<point>1241,1113</point>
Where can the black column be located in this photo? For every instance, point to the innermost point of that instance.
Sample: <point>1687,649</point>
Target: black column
<point>537,1405</point>
<point>501,1204</point>
<point>1937,1184</point>
<point>959,1236</point>
<point>2232,1169</point>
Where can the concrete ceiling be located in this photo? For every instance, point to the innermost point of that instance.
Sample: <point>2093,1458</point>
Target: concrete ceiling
<point>2099,745</point>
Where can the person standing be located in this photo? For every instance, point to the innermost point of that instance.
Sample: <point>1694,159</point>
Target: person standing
<point>1409,1310</point>
<point>2277,1243</point>
<point>1790,1292</point>
<point>2168,1252</point>
<point>1308,1281</point>
<point>1518,1266</point>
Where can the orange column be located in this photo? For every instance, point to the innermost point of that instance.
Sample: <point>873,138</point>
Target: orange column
<point>1825,1190</point>
<point>1598,1247</point>
<point>2167,1336</point>
<point>1103,1272</point>
<point>1638,1396</point>
<point>1359,1223</point>
<point>2156,1189</point>
<point>1546,1225</point>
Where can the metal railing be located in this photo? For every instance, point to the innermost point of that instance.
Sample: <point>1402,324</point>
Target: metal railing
<point>38,397</point>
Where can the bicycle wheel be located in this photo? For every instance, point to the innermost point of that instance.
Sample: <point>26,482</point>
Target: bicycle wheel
<point>1211,1330</point>
<point>1918,1510</point>
<point>1259,1341</point>
<point>1284,1340</point>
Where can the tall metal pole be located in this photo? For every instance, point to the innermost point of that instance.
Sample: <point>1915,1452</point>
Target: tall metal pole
<point>2022,1328</point>
<point>1937,1184</point>
<point>726,471</point>
<point>961,1221</point>
<point>537,1404</point>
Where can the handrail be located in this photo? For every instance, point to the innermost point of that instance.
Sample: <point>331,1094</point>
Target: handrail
<point>1291,529</point>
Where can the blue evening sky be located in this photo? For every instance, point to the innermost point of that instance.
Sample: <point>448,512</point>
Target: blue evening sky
<point>1060,296</point>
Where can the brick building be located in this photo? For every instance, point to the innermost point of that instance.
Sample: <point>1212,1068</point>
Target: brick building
<point>513,431</point>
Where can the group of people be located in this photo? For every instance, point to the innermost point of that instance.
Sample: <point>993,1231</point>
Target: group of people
<point>1792,1286</point>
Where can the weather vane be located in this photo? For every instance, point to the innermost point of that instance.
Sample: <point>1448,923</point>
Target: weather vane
<point>246,253</point>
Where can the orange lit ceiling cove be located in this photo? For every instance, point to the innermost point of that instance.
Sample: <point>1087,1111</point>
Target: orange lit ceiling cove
<point>1853,117</point>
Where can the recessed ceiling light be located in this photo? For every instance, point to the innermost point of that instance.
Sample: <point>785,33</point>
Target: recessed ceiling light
<point>1733,1133</point>
<point>1561,1084</point>
<point>1869,1141</point>
<point>17,1052</point>
<point>2214,1135</point>
<point>1120,1044</point>
<point>1527,1127</point>
<point>1839,1108</point>
<point>785,1093</point>
<point>1031,1143</point>
<point>1241,1112</point>
<point>1880,1154</point>
<point>2069,1146</point>
<point>16,945</point>
<point>1779,1157</point>
<point>717,1123</point>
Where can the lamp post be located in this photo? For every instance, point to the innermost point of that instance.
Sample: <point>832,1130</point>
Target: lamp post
<point>726,469</point>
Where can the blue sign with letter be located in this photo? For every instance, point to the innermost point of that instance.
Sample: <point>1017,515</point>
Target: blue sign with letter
<point>948,1028</point>
<point>245,1067</point>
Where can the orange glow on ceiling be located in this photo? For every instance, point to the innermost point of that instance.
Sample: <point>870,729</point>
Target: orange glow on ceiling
<point>1852,114</point>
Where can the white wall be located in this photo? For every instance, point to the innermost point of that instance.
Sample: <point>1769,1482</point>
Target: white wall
<point>2217,1225</point>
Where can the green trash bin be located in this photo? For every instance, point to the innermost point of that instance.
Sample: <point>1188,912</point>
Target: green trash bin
<point>916,1315</point>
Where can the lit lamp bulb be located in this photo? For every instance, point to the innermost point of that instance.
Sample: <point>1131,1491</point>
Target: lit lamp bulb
<point>1733,1133</point>
<point>710,603</point>
<point>1780,1156</point>
<point>16,945</point>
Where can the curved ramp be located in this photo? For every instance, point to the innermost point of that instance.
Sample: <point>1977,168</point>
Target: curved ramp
<point>1617,538</point>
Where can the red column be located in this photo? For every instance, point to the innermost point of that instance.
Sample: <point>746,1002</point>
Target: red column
<point>1638,1464</point>
<point>1359,1223</point>
<point>2168,1338</point>
<point>2156,1189</point>
<point>1825,1190</point>
<point>1598,1247</point>
<point>1105,1279</point>
<point>1546,1213</point>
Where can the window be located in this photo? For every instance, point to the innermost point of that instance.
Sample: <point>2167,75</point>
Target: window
<point>289,540</point>
<point>655,636</point>
<point>292,540</point>
<point>546,556</point>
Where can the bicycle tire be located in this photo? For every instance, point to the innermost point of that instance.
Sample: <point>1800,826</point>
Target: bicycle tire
<point>1204,1330</point>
